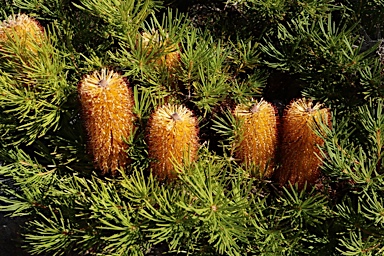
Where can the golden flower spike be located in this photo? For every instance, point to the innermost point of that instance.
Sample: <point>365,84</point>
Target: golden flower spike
<point>172,58</point>
<point>107,109</point>
<point>172,139</point>
<point>300,161</point>
<point>22,30</point>
<point>257,136</point>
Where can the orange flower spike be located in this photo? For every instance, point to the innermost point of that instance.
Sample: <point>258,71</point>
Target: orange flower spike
<point>23,30</point>
<point>257,140</point>
<point>107,107</point>
<point>172,59</point>
<point>299,152</point>
<point>172,138</point>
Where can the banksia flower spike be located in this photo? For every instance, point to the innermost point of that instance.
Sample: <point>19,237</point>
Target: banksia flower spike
<point>172,57</point>
<point>107,107</point>
<point>21,30</point>
<point>300,161</point>
<point>257,136</point>
<point>172,139</point>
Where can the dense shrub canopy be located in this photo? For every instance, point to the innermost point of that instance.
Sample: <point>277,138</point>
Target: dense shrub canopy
<point>209,57</point>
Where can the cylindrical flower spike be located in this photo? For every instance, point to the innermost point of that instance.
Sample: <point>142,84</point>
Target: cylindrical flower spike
<point>172,139</point>
<point>172,58</point>
<point>257,138</point>
<point>299,153</point>
<point>21,30</point>
<point>107,107</point>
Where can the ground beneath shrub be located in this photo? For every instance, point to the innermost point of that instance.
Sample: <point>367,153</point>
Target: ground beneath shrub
<point>10,239</point>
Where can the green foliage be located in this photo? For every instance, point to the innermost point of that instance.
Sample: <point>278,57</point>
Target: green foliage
<point>33,91</point>
<point>358,169</point>
<point>223,53</point>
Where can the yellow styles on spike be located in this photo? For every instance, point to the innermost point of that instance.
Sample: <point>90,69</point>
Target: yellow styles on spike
<point>172,57</point>
<point>172,139</point>
<point>107,109</point>
<point>299,154</point>
<point>257,137</point>
<point>21,30</point>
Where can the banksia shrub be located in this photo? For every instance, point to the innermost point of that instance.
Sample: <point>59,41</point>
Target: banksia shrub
<point>172,139</point>
<point>257,136</point>
<point>107,104</point>
<point>23,31</point>
<point>299,152</point>
<point>222,188</point>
